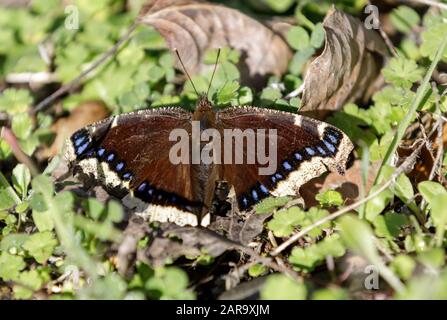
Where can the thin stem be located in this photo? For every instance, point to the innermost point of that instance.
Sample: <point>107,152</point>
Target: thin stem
<point>403,167</point>
<point>413,108</point>
<point>7,187</point>
<point>9,137</point>
<point>75,82</point>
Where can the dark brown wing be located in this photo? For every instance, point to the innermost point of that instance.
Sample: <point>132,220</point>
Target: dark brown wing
<point>305,148</point>
<point>130,152</point>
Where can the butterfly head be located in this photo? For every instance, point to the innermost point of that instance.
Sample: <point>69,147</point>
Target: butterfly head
<point>203,104</point>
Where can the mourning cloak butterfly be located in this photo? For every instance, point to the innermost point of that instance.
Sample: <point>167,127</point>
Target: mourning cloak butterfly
<point>132,154</point>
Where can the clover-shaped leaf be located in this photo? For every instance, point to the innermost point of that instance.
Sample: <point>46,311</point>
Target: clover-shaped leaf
<point>285,221</point>
<point>41,245</point>
<point>10,266</point>
<point>402,72</point>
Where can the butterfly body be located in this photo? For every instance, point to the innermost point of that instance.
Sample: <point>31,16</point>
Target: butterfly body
<point>140,155</point>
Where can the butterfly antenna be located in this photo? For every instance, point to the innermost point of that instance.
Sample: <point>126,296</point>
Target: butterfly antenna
<point>186,72</point>
<point>214,71</point>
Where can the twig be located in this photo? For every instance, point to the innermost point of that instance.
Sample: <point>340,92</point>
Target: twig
<point>75,82</point>
<point>385,38</point>
<point>295,92</point>
<point>431,3</point>
<point>402,168</point>
<point>439,126</point>
<point>420,93</point>
<point>254,255</point>
<point>11,140</point>
<point>31,77</point>
<point>388,42</point>
<point>438,158</point>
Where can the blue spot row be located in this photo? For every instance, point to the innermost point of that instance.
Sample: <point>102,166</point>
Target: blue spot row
<point>326,148</point>
<point>84,147</point>
<point>81,142</point>
<point>255,195</point>
<point>150,194</point>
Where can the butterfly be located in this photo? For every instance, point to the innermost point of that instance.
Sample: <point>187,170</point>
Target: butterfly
<point>131,156</point>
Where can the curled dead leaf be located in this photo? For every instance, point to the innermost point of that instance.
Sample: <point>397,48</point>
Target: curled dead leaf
<point>348,185</point>
<point>193,27</point>
<point>349,66</point>
<point>85,114</point>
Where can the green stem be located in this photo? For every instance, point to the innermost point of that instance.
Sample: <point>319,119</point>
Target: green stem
<point>413,108</point>
<point>439,236</point>
<point>7,187</point>
<point>390,277</point>
<point>65,233</point>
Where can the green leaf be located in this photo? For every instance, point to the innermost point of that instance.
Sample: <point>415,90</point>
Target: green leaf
<point>279,5</point>
<point>227,93</point>
<point>41,245</point>
<point>44,185</point>
<point>156,73</point>
<point>13,243</point>
<point>389,225</point>
<point>410,49</point>
<point>270,95</point>
<point>270,204</point>
<point>281,287</point>
<point>430,190</point>
<point>226,54</point>
<point>402,72</point>
<point>10,266</point>
<point>6,201</point>
<point>41,216</point>
<point>298,38</point>
<point>404,18</point>
<point>22,125</point>
<point>403,188</point>
<point>330,198</point>
<point>358,236</point>
<point>245,96</point>
<point>299,60</point>
<point>257,270</point>
<point>432,39</point>
<point>376,205</point>
<point>438,211</point>
<point>307,258</point>
<point>427,286</point>
<point>317,37</point>
<point>15,101</point>
<point>332,293</point>
<point>403,266</point>
<point>21,178</point>
<point>433,258</point>
<point>27,283</point>
<point>313,215</point>
<point>169,283</point>
<point>114,212</point>
<point>94,208</point>
<point>111,287</point>
<point>8,196</point>
<point>285,221</point>
<point>378,149</point>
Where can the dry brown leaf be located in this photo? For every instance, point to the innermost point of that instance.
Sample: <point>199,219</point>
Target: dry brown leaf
<point>193,27</point>
<point>348,68</point>
<point>85,114</point>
